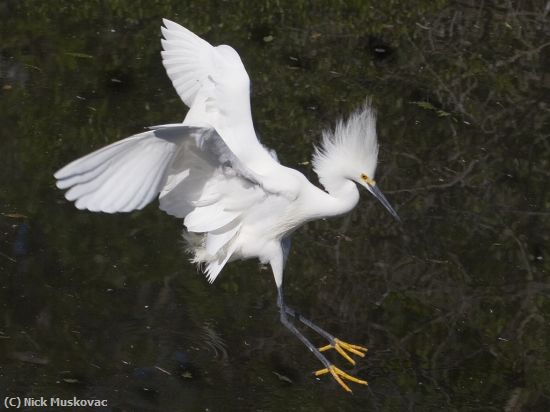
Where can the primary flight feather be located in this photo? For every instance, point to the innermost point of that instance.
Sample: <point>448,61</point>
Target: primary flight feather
<point>236,199</point>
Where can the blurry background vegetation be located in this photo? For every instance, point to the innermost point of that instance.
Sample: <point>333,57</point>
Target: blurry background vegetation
<point>453,304</point>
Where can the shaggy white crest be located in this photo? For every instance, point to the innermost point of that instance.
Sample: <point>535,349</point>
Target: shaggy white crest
<point>348,151</point>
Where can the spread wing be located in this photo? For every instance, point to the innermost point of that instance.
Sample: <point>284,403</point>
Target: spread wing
<point>194,173</point>
<point>121,177</point>
<point>190,168</point>
<point>213,82</point>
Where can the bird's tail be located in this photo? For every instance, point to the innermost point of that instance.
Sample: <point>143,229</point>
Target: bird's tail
<point>212,250</point>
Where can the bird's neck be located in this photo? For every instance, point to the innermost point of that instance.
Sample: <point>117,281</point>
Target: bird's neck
<point>342,196</point>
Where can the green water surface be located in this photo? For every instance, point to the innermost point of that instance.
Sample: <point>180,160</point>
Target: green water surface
<point>454,303</point>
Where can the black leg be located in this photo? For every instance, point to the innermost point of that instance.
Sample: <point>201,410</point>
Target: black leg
<point>336,373</point>
<point>334,343</point>
<point>284,320</point>
<point>309,324</point>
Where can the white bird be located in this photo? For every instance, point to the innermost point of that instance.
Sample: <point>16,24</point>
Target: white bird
<point>237,200</point>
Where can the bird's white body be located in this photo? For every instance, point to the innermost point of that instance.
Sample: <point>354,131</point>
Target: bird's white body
<point>275,218</point>
<point>237,200</point>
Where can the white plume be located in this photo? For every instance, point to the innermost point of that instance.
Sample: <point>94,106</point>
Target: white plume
<point>348,151</point>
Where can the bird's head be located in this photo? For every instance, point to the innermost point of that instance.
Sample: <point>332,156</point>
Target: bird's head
<point>350,151</point>
<point>369,184</point>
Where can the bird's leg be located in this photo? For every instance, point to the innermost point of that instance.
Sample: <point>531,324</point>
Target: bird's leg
<point>336,373</point>
<point>334,343</point>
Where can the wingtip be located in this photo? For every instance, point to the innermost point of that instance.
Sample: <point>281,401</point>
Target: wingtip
<point>170,25</point>
<point>59,183</point>
<point>59,174</point>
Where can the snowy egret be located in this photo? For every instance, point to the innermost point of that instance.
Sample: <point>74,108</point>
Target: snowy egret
<point>237,200</point>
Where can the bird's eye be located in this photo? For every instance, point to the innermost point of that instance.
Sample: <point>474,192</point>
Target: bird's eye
<point>367,179</point>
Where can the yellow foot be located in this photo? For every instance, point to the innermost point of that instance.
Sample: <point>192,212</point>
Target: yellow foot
<point>338,374</point>
<point>341,347</point>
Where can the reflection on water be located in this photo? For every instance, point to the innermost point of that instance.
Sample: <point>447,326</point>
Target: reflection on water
<point>453,303</point>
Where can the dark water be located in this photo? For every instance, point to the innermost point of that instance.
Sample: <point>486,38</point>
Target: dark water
<point>453,303</point>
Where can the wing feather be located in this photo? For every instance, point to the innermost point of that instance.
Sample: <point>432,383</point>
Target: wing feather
<point>217,239</point>
<point>125,175</point>
<point>208,218</point>
<point>195,55</point>
<point>216,265</point>
<point>99,173</point>
<point>214,83</point>
<point>73,172</point>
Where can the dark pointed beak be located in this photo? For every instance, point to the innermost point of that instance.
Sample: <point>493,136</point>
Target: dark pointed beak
<point>380,196</point>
